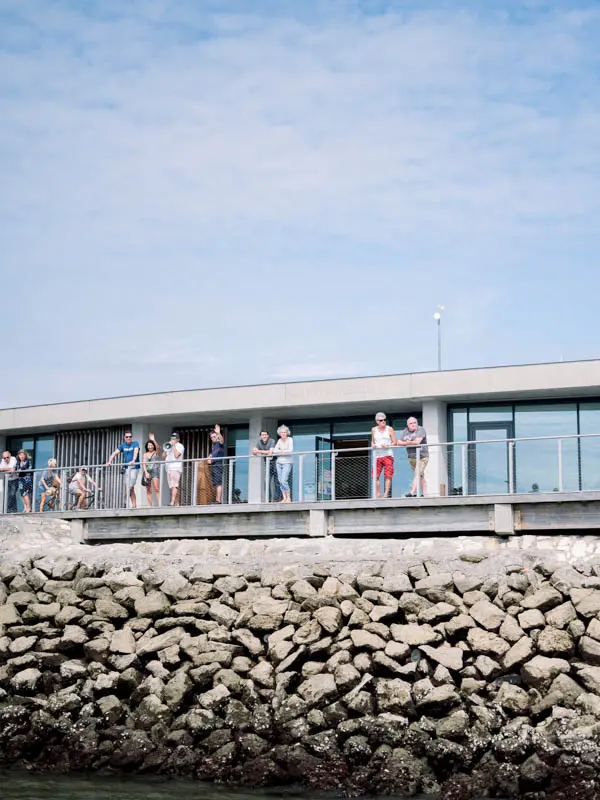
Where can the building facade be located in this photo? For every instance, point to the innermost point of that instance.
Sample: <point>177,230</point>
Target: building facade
<point>492,430</point>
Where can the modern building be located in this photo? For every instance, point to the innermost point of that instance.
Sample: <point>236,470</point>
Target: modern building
<point>488,406</point>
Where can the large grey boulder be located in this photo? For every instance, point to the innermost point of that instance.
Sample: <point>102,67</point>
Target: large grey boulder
<point>544,599</point>
<point>414,635</point>
<point>393,694</point>
<point>363,640</point>
<point>154,604</point>
<point>438,699</point>
<point>487,615</point>
<point>160,642</point>
<point>556,642</point>
<point>589,649</point>
<point>486,642</point>
<point>319,689</point>
<point>512,698</point>
<point>330,618</point>
<point>541,671</point>
<point>560,616</point>
<point>26,680</point>
<point>449,657</point>
<point>122,641</point>
<point>522,650</point>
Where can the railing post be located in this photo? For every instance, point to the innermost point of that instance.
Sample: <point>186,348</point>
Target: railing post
<point>418,470</point>
<point>333,455</point>
<point>33,488</point>
<point>463,459</point>
<point>560,464</point>
<point>230,481</point>
<point>195,484</point>
<point>373,460</point>
<point>301,478</point>
<point>268,462</point>
<point>511,467</point>
<point>4,493</point>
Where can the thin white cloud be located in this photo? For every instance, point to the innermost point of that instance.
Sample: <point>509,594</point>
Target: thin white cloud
<point>285,179</point>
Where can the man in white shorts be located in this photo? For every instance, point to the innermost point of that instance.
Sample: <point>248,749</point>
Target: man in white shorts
<point>174,464</point>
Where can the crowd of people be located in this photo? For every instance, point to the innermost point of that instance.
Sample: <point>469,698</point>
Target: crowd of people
<point>19,472</point>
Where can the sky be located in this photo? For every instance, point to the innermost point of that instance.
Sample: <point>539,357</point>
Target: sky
<point>205,193</point>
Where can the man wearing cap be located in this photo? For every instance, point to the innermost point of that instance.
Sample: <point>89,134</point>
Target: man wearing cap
<point>412,436</point>
<point>173,456</point>
<point>130,451</point>
<point>383,439</point>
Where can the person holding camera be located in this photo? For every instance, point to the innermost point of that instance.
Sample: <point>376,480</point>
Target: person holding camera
<point>130,451</point>
<point>217,464</point>
<point>173,455</point>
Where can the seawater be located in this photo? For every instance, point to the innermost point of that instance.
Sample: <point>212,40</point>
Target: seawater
<point>27,786</point>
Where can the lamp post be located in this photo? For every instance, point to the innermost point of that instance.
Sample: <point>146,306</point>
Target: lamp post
<point>438,318</point>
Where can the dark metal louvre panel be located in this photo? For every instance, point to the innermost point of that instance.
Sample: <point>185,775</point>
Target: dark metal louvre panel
<point>197,445</point>
<point>91,447</point>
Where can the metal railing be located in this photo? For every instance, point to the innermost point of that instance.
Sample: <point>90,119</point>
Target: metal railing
<point>467,468</point>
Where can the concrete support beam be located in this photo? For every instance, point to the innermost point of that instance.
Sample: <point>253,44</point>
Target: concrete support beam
<point>318,522</point>
<point>435,422</point>
<point>77,527</point>
<point>504,520</point>
<point>256,467</point>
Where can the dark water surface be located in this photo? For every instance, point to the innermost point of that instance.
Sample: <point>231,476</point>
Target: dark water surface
<point>24,786</point>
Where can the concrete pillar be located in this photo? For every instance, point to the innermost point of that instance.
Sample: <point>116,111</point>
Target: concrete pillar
<point>435,422</point>
<point>256,467</point>
<point>140,434</point>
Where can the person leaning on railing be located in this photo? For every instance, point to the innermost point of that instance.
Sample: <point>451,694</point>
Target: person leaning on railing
<point>25,475</point>
<point>8,468</point>
<point>413,435</point>
<point>151,467</point>
<point>173,455</point>
<point>130,451</point>
<point>383,438</point>
<point>283,451</point>
<point>264,447</point>
<point>50,483</point>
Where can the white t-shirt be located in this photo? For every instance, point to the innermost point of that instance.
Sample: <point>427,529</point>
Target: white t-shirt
<point>173,460</point>
<point>12,464</point>
<point>284,447</point>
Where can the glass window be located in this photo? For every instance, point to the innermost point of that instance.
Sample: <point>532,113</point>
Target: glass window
<point>537,462</point>
<point>589,423</point>
<point>238,445</point>
<point>491,414</point>
<point>358,427</point>
<point>457,432</point>
<point>310,437</point>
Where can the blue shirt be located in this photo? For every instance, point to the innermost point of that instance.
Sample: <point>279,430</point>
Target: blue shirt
<point>218,451</point>
<point>127,450</point>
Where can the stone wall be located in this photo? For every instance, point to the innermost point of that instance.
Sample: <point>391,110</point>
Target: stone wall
<point>423,680</point>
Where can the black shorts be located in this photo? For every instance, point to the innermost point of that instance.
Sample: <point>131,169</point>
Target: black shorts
<point>216,474</point>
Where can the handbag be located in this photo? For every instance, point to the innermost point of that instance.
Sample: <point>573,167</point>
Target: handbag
<point>145,481</point>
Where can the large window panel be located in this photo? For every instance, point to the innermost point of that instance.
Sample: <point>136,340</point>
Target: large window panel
<point>538,463</point>
<point>457,429</point>
<point>491,414</point>
<point>589,423</point>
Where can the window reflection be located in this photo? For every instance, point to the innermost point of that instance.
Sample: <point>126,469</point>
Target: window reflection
<point>589,422</point>
<point>537,462</point>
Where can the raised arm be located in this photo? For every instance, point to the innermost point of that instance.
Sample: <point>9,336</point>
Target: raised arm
<point>113,455</point>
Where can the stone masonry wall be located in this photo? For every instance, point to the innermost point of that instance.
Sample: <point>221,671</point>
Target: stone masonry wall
<point>480,678</point>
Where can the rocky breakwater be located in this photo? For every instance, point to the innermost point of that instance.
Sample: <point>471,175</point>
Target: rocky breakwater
<point>461,683</point>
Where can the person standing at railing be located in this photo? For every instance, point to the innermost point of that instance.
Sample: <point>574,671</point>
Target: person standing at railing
<point>50,483</point>
<point>173,456</point>
<point>151,467</point>
<point>8,469</point>
<point>264,447</point>
<point>413,435</point>
<point>383,438</point>
<point>130,451</point>
<point>217,454</point>
<point>25,475</point>
<point>283,451</point>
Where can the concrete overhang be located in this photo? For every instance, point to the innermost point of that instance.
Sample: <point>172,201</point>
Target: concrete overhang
<point>322,398</point>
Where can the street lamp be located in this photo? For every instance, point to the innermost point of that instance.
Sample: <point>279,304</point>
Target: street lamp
<point>438,318</point>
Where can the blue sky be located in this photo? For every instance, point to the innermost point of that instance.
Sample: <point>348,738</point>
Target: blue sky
<point>209,193</point>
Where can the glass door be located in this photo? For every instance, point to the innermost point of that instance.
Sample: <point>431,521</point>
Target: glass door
<point>323,484</point>
<point>488,469</point>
